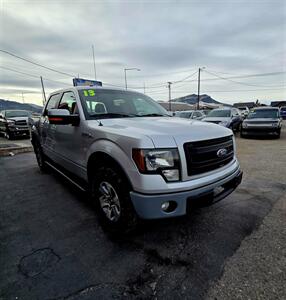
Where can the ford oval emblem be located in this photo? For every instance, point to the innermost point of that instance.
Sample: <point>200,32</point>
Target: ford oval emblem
<point>221,152</point>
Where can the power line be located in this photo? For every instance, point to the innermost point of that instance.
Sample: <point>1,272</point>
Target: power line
<point>253,90</point>
<point>36,64</point>
<point>31,75</point>
<point>243,76</point>
<point>186,77</point>
<point>226,91</point>
<point>234,81</point>
<point>163,74</point>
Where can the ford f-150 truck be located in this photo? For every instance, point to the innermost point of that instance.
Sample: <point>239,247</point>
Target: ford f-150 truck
<point>135,159</point>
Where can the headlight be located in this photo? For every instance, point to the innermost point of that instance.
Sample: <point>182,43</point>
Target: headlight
<point>10,123</point>
<point>224,123</point>
<point>158,161</point>
<point>275,124</point>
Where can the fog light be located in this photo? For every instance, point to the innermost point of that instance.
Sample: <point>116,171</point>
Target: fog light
<point>165,206</point>
<point>171,175</point>
<point>169,206</point>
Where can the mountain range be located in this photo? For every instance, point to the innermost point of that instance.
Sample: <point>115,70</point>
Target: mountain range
<point>193,99</point>
<point>7,104</point>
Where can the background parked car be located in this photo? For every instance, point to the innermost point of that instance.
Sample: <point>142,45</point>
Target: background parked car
<point>244,110</point>
<point>283,112</point>
<point>262,121</point>
<point>14,123</point>
<point>227,117</point>
<point>191,114</point>
<point>206,111</point>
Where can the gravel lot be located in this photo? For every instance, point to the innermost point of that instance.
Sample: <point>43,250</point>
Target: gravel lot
<point>52,246</point>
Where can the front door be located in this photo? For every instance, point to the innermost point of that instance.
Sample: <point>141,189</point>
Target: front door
<point>69,146</point>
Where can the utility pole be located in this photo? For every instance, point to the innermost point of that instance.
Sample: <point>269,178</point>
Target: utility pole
<point>199,83</point>
<point>93,62</point>
<point>169,87</point>
<point>23,100</point>
<point>125,79</point>
<point>43,91</point>
<point>144,88</point>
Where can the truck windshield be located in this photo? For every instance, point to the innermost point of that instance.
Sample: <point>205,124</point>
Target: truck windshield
<point>264,113</point>
<point>219,113</point>
<point>101,103</point>
<point>16,113</point>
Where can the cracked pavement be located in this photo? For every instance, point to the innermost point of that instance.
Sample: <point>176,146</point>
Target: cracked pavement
<point>52,246</point>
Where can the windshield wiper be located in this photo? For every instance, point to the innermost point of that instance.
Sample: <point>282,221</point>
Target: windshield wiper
<point>112,115</point>
<point>153,115</point>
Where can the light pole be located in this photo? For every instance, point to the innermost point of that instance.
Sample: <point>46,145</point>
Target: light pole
<point>199,83</point>
<point>128,69</point>
<point>94,68</point>
<point>169,87</point>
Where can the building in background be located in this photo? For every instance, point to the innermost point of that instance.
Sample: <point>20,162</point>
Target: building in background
<point>278,103</point>
<point>250,105</point>
<point>176,106</point>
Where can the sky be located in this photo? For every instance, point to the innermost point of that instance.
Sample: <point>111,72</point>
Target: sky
<point>240,46</point>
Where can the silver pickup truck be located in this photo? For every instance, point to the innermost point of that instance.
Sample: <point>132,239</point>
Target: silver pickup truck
<point>135,159</point>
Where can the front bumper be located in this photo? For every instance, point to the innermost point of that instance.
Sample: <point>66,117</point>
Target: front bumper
<point>150,206</point>
<point>18,131</point>
<point>260,130</point>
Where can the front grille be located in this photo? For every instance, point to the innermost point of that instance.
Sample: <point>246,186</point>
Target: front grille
<point>22,122</point>
<point>261,122</point>
<point>202,156</point>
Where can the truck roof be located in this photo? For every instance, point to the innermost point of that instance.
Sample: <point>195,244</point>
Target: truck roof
<point>78,88</point>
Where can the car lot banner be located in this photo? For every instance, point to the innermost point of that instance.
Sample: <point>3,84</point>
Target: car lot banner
<point>86,82</point>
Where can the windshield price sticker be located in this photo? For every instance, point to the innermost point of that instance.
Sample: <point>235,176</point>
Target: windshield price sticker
<point>88,93</point>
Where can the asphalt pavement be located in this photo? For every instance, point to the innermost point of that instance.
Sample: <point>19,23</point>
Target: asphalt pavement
<point>52,246</point>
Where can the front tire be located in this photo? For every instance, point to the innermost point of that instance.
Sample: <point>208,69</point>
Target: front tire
<point>110,190</point>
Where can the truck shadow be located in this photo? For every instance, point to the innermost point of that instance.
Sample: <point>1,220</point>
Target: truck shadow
<point>181,257</point>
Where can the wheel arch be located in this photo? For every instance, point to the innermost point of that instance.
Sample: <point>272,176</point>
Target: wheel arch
<point>100,158</point>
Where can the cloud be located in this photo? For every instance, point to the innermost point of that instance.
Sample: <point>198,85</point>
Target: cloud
<point>237,37</point>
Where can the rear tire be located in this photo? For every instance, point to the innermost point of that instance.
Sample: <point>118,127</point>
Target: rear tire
<point>110,191</point>
<point>40,157</point>
<point>278,134</point>
<point>8,135</point>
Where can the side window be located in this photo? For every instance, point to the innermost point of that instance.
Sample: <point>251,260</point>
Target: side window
<point>68,102</point>
<point>52,103</point>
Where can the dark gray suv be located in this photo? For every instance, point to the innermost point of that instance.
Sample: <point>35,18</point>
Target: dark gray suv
<point>262,121</point>
<point>227,117</point>
<point>14,123</point>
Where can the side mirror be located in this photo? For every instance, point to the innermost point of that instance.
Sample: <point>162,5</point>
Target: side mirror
<point>62,117</point>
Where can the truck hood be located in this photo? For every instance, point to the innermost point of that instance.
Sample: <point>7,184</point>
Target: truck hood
<point>216,119</point>
<point>164,131</point>
<point>19,119</point>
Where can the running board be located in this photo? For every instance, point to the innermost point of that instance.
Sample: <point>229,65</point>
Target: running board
<point>64,175</point>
